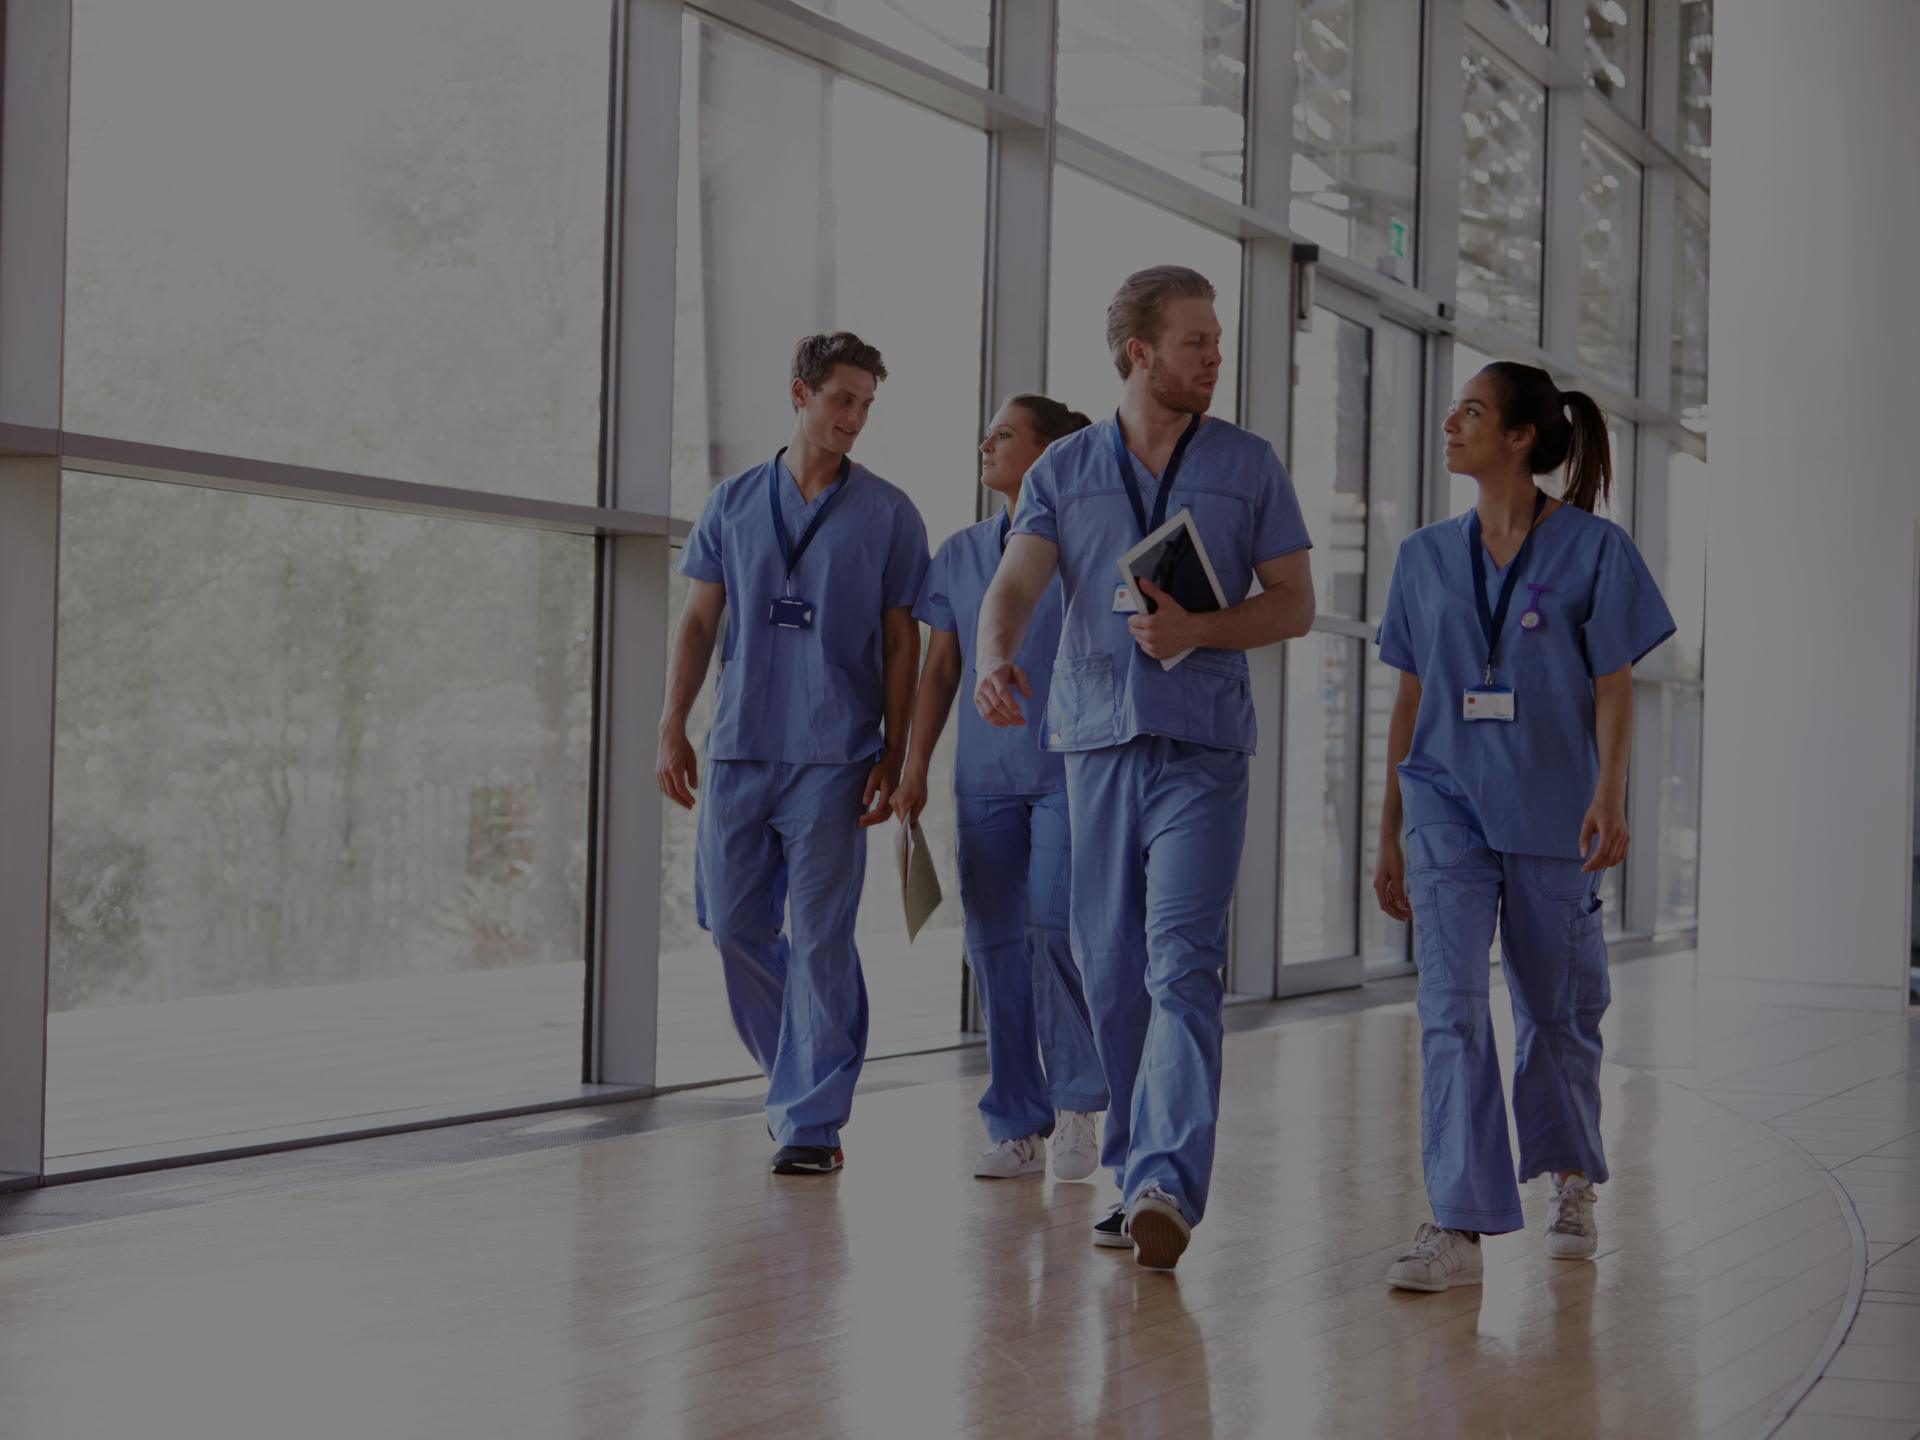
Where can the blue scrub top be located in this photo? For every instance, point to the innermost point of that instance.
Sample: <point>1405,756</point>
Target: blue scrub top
<point>988,760</point>
<point>1525,784</point>
<point>805,697</point>
<point>1106,691</point>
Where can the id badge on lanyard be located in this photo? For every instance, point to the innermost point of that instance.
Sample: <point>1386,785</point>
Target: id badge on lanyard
<point>790,611</point>
<point>1123,597</point>
<point>1488,701</point>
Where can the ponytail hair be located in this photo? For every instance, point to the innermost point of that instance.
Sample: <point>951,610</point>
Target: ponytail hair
<point>1569,428</point>
<point>1049,418</point>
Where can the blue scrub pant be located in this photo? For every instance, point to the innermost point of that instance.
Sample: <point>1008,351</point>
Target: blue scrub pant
<point>1158,826</point>
<point>770,833</point>
<point>1014,884</point>
<point>1548,915</point>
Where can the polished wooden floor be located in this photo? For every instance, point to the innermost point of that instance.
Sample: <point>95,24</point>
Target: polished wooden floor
<point>665,1285</point>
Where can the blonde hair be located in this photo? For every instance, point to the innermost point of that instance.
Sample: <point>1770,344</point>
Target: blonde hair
<point>1138,308</point>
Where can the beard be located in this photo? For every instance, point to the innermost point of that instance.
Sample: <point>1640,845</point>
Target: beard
<point>1177,395</point>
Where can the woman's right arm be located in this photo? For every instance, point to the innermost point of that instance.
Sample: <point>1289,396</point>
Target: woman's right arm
<point>1390,873</point>
<point>939,683</point>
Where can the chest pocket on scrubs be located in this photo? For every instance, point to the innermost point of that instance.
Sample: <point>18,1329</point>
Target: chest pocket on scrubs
<point>1224,521</point>
<point>1531,658</point>
<point>1530,663</point>
<point>1082,710</point>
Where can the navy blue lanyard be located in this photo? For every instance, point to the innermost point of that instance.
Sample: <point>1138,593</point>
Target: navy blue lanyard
<point>1125,457</point>
<point>1493,621</point>
<point>790,552</point>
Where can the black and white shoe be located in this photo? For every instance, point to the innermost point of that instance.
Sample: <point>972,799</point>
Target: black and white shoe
<point>1111,1233</point>
<point>807,1160</point>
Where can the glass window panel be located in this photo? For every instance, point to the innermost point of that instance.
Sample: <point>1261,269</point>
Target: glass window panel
<point>1393,471</point>
<point>321,815</point>
<point>1503,172</point>
<point>364,237</point>
<point>1462,491</point>
<point>1356,130</point>
<point>1696,84</point>
<point>1100,236</point>
<point>1609,263</point>
<point>1532,14</point>
<point>1321,826</point>
<point>1621,435</point>
<point>763,132</point>
<point>1616,43</point>
<point>1330,456</point>
<point>955,35</point>
<point>1163,80</point>
<point>1684,579</point>
<point>1393,513</point>
<point>1692,259</point>
<point>1670,716</point>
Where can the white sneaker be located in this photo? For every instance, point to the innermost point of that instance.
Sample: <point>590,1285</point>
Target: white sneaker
<point>1076,1144</point>
<point>1005,1159</point>
<point>1158,1229</point>
<point>1437,1259</point>
<point>1571,1231</point>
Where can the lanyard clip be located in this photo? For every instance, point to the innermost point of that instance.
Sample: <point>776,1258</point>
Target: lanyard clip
<point>1488,681</point>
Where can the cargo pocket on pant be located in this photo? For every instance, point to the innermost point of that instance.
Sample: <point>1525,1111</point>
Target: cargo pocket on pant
<point>1591,986</point>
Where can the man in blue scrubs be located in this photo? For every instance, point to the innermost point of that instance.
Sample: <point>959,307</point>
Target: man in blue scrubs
<point>815,562</point>
<point>1156,758</point>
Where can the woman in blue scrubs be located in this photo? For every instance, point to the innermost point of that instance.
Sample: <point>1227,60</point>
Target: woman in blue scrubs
<point>1010,799</point>
<point>1516,627</point>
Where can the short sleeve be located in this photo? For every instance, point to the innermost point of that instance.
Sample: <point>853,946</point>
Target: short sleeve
<point>1278,527</point>
<point>1039,510</point>
<point>700,557</point>
<point>1395,636</point>
<point>934,608</point>
<point>1629,616</point>
<point>906,558</point>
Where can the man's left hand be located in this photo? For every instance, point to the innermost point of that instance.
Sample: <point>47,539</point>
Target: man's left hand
<point>878,797</point>
<point>1169,630</point>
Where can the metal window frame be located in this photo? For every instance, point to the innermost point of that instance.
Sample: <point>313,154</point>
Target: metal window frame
<point>1268,276</point>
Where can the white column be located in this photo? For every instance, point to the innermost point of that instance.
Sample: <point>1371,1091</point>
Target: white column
<point>1807,821</point>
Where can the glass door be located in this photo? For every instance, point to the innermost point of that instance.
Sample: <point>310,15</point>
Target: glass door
<point>1357,420</point>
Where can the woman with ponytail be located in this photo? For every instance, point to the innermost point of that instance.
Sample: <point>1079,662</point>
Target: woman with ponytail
<point>1010,798</point>
<point>1515,627</point>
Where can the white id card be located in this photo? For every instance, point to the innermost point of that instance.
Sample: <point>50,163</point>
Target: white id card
<point>1123,601</point>
<point>1488,702</point>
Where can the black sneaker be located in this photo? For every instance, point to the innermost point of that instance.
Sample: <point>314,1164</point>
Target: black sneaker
<point>1111,1233</point>
<point>807,1160</point>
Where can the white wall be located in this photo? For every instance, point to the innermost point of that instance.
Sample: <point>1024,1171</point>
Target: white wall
<point>1814,497</point>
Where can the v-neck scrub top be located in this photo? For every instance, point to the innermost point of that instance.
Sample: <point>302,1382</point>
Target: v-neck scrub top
<point>814,696</point>
<point>1526,784</point>
<point>1106,690</point>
